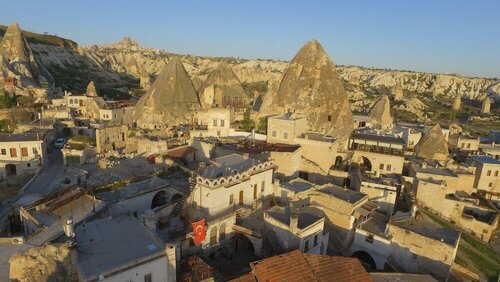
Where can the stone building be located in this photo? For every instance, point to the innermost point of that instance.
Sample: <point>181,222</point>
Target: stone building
<point>463,143</point>
<point>213,122</point>
<point>285,128</point>
<point>487,175</point>
<point>21,153</point>
<point>111,137</point>
<point>377,153</point>
<point>303,229</point>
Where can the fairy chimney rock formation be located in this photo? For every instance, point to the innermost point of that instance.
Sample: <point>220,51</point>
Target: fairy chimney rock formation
<point>398,92</point>
<point>486,108</point>
<point>432,145</point>
<point>457,102</point>
<point>311,86</point>
<point>380,114</point>
<point>222,88</point>
<point>171,99</point>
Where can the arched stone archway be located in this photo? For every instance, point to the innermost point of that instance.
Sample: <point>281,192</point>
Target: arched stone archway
<point>176,197</point>
<point>159,199</point>
<point>367,165</point>
<point>10,169</point>
<point>213,235</point>
<point>338,162</point>
<point>366,260</point>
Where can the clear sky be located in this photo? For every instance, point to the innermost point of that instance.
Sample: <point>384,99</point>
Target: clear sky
<point>453,36</point>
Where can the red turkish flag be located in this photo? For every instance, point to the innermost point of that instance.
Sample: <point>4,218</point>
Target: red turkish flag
<point>199,231</point>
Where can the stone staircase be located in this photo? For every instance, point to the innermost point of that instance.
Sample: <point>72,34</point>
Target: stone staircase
<point>178,206</point>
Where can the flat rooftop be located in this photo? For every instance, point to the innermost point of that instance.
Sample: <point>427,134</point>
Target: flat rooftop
<point>485,160</point>
<point>376,225</point>
<point>343,194</point>
<point>428,229</point>
<point>298,185</point>
<point>372,136</point>
<point>228,165</point>
<point>110,244</point>
<point>289,116</point>
<point>305,219</point>
<point>21,137</point>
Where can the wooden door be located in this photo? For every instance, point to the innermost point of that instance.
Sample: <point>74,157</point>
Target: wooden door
<point>241,197</point>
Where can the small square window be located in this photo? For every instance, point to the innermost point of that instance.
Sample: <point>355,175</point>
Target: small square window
<point>389,167</point>
<point>369,238</point>
<point>4,152</point>
<point>222,123</point>
<point>214,122</point>
<point>329,118</point>
<point>148,278</point>
<point>488,173</point>
<point>496,173</point>
<point>381,166</point>
<point>490,184</point>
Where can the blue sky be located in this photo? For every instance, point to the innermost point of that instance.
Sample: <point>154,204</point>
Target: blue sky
<point>425,35</point>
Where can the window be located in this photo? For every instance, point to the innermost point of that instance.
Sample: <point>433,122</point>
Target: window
<point>148,278</point>
<point>13,152</point>
<point>285,135</point>
<point>262,186</point>
<point>24,151</point>
<point>496,173</point>
<point>389,167</point>
<point>255,191</point>
<point>490,184</point>
<point>485,231</point>
<point>274,133</point>
<point>231,199</point>
<point>329,117</point>
<point>369,238</point>
<point>28,165</point>
<point>381,166</point>
<point>4,152</point>
<point>214,122</point>
<point>222,123</point>
<point>35,151</point>
<point>316,240</point>
<point>468,146</point>
<point>306,246</point>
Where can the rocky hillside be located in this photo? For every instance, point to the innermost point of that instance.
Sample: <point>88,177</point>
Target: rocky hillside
<point>126,68</point>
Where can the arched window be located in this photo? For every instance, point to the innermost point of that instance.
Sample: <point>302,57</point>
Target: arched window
<point>213,235</point>
<point>222,232</point>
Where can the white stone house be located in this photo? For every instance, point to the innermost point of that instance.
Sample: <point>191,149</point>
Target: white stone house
<point>21,153</point>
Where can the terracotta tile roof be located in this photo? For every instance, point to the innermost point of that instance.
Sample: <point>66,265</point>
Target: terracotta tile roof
<point>295,266</point>
<point>249,277</point>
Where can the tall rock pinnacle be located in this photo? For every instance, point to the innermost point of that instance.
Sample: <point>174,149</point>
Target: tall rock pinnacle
<point>311,86</point>
<point>221,88</point>
<point>171,99</point>
<point>432,145</point>
<point>380,115</point>
<point>17,55</point>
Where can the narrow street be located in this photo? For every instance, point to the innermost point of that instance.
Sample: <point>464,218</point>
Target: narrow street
<point>48,177</point>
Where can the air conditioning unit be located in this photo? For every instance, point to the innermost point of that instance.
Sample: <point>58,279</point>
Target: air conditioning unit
<point>17,240</point>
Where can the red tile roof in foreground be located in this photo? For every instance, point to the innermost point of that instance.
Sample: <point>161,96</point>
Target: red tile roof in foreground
<point>296,266</point>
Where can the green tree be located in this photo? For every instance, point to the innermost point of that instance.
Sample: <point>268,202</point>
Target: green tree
<point>5,102</point>
<point>247,124</point>
<point>262,127</point>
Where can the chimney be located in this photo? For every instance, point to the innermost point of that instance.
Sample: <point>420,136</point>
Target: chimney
<point>294,221</point>
<point>69,228</point>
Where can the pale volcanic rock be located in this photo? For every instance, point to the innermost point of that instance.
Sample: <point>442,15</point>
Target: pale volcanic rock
<point>171,99</point>
<point>414,106</point>
<point>45,263</point>
<point>432,145</point>
<point>457,103</point>
<point>310,86</point>
<point>91,90</point>
<point>221,85</point>
<point>380,114</point>
<point>398,91</point>
<point>18,59</point>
